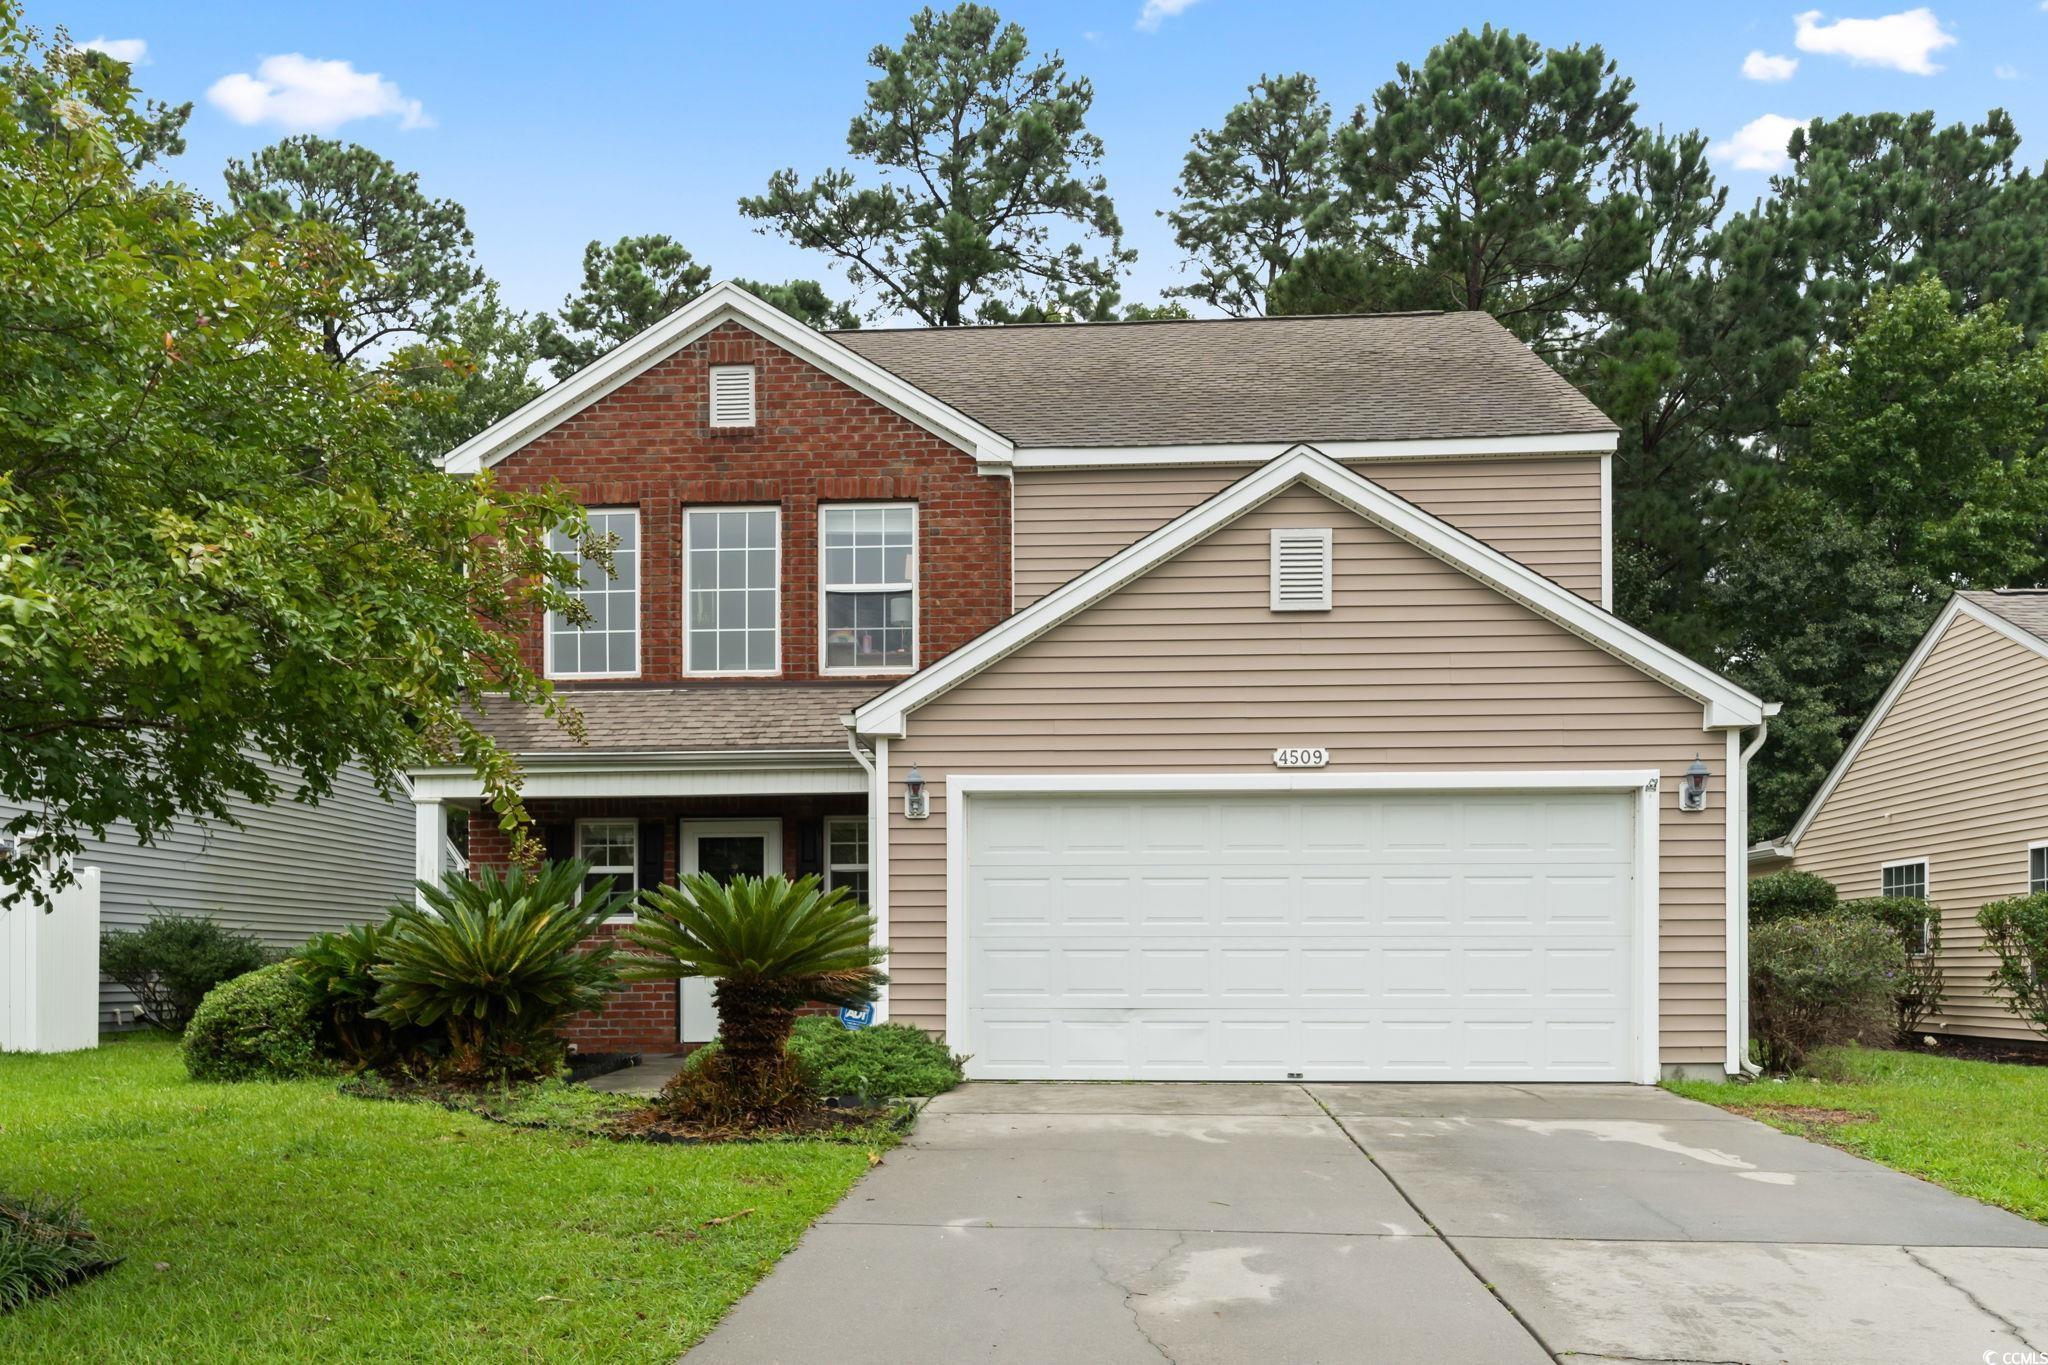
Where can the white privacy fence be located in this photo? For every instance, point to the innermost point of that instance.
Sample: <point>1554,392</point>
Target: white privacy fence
<point>50,971</point>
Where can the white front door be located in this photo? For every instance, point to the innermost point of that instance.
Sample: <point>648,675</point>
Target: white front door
<point>725,849</point>
<point>1437,936</point>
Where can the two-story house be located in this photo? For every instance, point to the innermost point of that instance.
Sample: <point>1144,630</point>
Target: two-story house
<point>1189,700</point>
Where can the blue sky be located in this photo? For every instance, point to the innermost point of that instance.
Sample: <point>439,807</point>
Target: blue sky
<point>556,123</point>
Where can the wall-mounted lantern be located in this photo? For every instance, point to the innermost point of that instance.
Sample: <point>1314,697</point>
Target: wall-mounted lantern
<point>916,805</point>
<point>1692,793</point>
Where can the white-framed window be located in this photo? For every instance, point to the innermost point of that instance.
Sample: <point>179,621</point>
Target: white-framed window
<point>732,396</point>
<point>611,848</point>
<point>1906,879</point>
<point>732,595</point>
<point>608,645</point>
<point>846,853</point>
<point>2037,868</point>
<point>869,571</point>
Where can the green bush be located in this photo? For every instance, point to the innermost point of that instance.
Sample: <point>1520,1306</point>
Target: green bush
<point>44,1246</point>
<point>1915,924</point>
<point>339,970</point>
<point>1790,895</point>
<point>174,960</point>
<point>1814,982</point>
<point>261,1024</point>
<point>495,965</point>
<point>2016,932</point>
<point>888,1061</point>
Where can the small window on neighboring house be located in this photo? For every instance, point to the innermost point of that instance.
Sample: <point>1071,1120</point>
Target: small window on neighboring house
<point>732,395</point>
<point>870,588</point>
<point>2037,868</point>
<point>1301,569</point>
<point>611,848</point>
<point>731,589</point>
<point>608,644</point>
<point>846,854</point>
<point>1909,881</point>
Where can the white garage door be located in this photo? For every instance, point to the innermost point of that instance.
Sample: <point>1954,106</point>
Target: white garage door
<point>1326,937</point>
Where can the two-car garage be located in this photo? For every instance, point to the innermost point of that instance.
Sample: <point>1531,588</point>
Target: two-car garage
<point>1248,934</point>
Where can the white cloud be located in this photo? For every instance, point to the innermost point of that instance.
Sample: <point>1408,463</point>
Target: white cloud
<point>1758,145</point>
<point>1901,41</point>
<point>295,91</point>
<point>2005,71</point>
<point>134,51</point>
<point>1157,12</point>
<point>1761,66</point>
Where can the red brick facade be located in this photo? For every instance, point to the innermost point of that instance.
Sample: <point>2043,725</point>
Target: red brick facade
<point>649,445</point>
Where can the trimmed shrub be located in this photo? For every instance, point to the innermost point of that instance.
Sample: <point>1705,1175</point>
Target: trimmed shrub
<point>495,965</point>
<point>174,960</point>
<point>1790,895</point>
<point>888,1061</point>
<point>44,1246</point>
<point>259,1025</point>
<point>2016,931</point>
<point>1815,982</point>
<point>1916,925</point>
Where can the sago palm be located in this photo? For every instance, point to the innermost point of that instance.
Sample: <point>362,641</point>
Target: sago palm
<point>769,945</point>
<point>496,963</point>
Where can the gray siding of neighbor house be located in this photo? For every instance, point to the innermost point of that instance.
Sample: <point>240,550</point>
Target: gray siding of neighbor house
<point>291,871</point>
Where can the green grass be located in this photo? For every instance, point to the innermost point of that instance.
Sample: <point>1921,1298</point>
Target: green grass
<point>1979,1128</point>
<point>285,1221</point>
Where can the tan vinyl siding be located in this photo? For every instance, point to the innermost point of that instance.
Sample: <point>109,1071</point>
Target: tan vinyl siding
<point>1544,512</point>
<point>1957,773</point>
<point>1417,667</point>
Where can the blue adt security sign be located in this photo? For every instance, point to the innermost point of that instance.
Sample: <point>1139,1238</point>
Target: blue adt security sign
<point>857,1018</point>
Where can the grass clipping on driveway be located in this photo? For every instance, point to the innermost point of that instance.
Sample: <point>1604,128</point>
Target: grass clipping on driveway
<point>286,1221</point>
<point>1978,1128</point>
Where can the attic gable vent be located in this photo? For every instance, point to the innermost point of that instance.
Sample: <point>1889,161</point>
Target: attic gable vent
<point>1301,569</point>
<point>732,395</point>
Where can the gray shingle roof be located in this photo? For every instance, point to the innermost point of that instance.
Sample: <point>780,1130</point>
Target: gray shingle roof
<point>2026,608</point>
<point>1383,377</point>
<point>699,719</point>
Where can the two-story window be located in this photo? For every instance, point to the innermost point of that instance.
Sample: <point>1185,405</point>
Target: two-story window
<point>732,598</point>
<point>608,644</point>
<point>870,588</point>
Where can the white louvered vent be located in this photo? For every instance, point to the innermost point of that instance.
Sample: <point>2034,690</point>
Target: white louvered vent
<point>1301,569</point>
<point>732,395</point>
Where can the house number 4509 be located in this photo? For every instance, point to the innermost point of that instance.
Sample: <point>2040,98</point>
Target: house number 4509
<point>1301,758</point>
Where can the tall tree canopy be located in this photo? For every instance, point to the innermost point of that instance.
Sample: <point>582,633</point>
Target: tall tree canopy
<point>986,191</point>
<point>417,249</point>
<point>213,544</point>
<point>627,288</point>
<point>1248,189</point>
<point>480,370</point>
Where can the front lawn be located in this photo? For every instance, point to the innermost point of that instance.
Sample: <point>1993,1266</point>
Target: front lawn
<point>1979,1128</point>
<point>285,1221</point>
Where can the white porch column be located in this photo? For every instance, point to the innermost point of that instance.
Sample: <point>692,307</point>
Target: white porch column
<point>430,840</point>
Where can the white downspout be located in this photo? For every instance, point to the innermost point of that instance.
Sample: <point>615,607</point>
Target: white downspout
<point>878,849</point>
<point>1738,957</point>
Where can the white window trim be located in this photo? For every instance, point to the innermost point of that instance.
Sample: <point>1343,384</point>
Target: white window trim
<point>581,823</point>
<point>825,591</point>
<point>753,397</point>
<point>547,624</point>
<point>776,669</point>
<point>868,838</point>
<point>1926,874</point>
<point>2031,850</point>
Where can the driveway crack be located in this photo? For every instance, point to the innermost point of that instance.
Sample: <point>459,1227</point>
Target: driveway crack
<point>1180,1239</point>
<point>1977,1303</point>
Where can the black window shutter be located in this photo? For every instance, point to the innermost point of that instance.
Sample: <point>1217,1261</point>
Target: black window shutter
<point>810,847</point>
<point>558,840</point>
<point>651,853</point>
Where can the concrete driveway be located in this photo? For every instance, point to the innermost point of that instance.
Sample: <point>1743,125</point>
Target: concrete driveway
<point>1197,1223</point>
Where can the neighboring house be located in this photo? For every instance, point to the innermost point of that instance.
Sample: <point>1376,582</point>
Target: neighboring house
<point>1944,791</point>
<point>1189,700</point>
<point>290,872</point>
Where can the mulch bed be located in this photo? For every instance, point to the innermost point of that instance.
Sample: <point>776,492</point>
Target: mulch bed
<point>651,1125</point>
<point>1986,1050</point>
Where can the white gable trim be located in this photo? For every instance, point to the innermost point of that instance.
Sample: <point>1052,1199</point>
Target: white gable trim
<point>1258,452</point>
<point>1957,606</point>
<point>1725,704</point>
<point>723,302</point>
